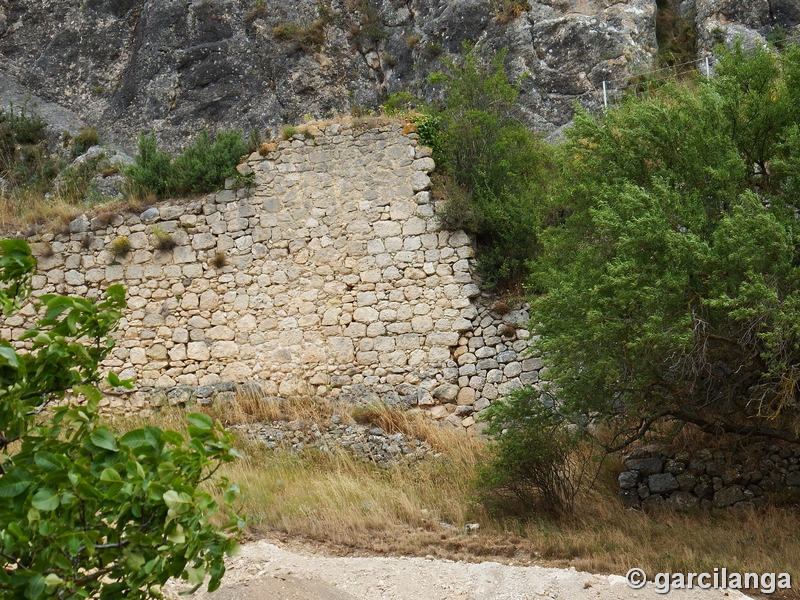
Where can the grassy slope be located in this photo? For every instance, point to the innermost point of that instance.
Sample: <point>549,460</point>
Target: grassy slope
<point>347,505</point>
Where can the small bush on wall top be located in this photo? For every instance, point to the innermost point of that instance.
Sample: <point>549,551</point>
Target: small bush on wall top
<point>202,167</point>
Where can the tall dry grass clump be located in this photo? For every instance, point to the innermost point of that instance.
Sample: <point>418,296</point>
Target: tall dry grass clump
<point>247,408</point>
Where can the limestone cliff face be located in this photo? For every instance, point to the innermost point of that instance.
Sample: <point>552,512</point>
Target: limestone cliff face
<point>177,65</point>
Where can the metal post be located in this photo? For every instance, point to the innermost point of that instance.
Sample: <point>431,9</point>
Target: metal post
<point>605,95</point>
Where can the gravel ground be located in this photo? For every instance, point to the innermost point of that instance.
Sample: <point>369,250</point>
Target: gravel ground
<point>264,571</point>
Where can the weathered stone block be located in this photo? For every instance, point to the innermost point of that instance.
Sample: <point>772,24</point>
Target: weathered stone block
<point>74,278</point>
<point>512,369</point>
<point>686,481</point>
<point>446,392</point>
<point>224,349</point>
<point>420,181</point>
<point>728,496</point>
<point>157,352</point>
<point>645,466</point>
<point>342,349</point>
<point>220,332</point>
<point>466,396</point>
<point>204,241</point>
<point>628,479</point>
<point>150,215</point>
<point>177,352</point>
<point>684,501</point>
<point>661,483</point>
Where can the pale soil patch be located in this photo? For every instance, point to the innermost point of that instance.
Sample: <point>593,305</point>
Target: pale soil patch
<point>265,571</point>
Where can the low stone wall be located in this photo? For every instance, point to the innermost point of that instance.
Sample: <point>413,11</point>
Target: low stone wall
<point>329,274</point>
<point>705,480</point>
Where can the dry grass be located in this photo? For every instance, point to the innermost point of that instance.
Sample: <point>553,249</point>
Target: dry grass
<point>352,506</point>
<point>252,408</point>
<point>607,538</point>
<point>507,11</point>
<point>339,499</point>
<point>29,208</point>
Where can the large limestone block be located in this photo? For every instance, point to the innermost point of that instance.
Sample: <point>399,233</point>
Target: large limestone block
<point>342,349</point>
<point>157,352</point>
<point>224,349</point>
<point>237,371</point>
<point>177,352</point>
<point>220,332</point>
<point>204,241</point>
<point>198,351</point>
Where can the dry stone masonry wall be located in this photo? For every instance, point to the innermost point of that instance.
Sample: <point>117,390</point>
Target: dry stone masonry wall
<point>702,479</point>
<point>329,275</point>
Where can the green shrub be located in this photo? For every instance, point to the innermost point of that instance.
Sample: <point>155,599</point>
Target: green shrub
<point>479,141</point>
<point>287,31</point>
<point>432,49</point>
<point>121,246</point>
<point>288,131</point>
<point>153,172</point>
<point>401,102</point>
<point>366,25</point>
<point>203,166</point>
<point>27,126</point>
<point>540,461</point>
<point>307,38</point>
<point>428,128</point>
<point>25,163</point>
<point>164,240</point>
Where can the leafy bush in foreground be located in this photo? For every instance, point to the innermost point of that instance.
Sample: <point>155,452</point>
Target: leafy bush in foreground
<point>86,512</point>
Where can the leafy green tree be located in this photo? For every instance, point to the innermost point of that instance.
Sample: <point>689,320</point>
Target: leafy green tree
<point>671,291</point>
<point>501,168</point>
<point>87,512</point>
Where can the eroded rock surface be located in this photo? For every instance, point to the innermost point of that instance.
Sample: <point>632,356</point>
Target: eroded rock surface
<point>177,66</point>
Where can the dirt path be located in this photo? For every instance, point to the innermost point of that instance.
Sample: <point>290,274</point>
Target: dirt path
<point>264,571</point>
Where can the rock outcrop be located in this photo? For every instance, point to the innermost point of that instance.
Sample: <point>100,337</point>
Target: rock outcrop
<point>176,66</point>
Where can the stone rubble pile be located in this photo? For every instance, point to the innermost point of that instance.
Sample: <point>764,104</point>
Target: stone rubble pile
<point>365,442</point>
<point>705,480</point>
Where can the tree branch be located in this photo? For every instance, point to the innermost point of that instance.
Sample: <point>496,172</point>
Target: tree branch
<point>722,426</point>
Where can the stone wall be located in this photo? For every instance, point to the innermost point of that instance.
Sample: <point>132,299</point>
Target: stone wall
<point>702,479</point>
<point>329,274</point>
